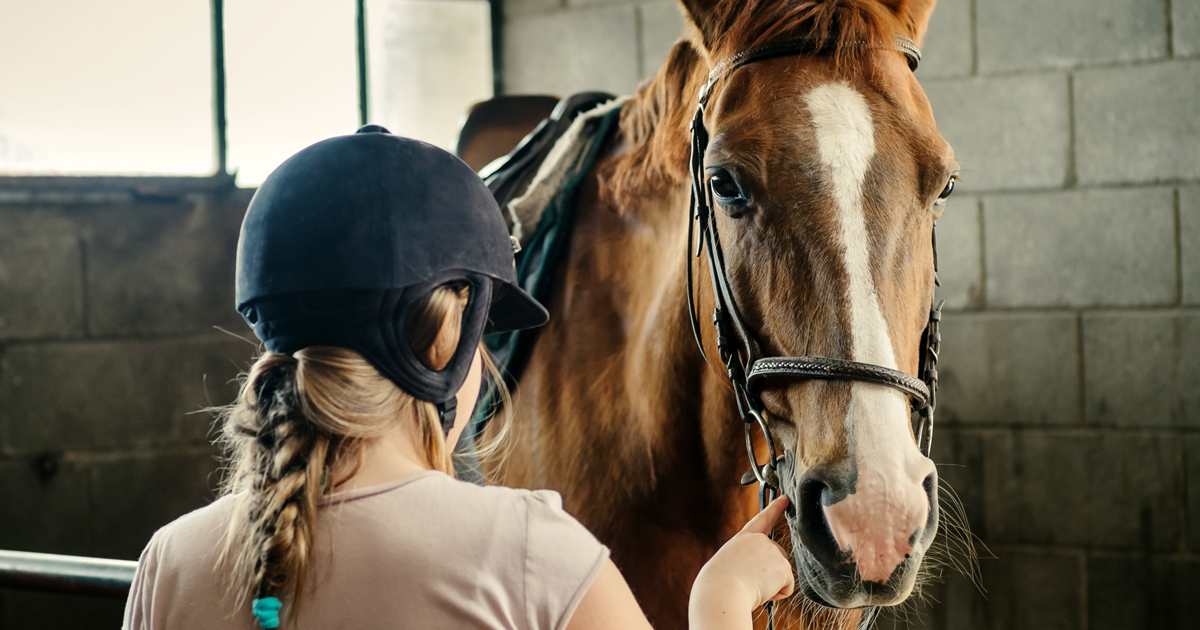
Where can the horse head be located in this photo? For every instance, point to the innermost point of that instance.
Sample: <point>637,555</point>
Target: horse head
<point>826,173</point>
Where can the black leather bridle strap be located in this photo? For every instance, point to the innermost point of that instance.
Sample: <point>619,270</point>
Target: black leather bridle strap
<point>824,368</point>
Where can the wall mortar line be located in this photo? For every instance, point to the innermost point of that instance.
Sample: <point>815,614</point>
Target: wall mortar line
<point>1081,369</point>
<point>638,32</point>
<point>974,41</point>
<point>983,293</point>
<point>1184,539</point>
<point>1083,591</point>
<point>1170,30</point>
<point>1072,177</point>
<point>1178,250</point>
<point>84,298</point>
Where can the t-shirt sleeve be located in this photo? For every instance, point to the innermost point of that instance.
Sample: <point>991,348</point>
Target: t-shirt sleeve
<point>140,605</point>
<point>562,559</point>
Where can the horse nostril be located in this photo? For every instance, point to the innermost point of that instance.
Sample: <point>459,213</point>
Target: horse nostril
<point>930,484</point>
<point>814,528</point>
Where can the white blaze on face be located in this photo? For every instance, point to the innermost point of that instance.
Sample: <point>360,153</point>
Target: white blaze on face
<point>889,502</point>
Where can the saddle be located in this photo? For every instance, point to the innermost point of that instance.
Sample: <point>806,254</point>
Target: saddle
<point>540,217</point>
<point>509,175</point>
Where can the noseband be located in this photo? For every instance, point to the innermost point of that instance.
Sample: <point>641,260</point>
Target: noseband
<point>746,368</point>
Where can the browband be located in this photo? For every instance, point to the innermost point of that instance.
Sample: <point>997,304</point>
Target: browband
<point>803,45</point>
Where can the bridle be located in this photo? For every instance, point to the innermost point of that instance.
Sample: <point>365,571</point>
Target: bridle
<point>745,366</point>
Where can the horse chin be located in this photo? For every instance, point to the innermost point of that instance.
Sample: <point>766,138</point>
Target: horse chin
<point>841,587</point>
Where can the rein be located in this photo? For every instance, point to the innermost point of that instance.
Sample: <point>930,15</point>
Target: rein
<point>745,366</point>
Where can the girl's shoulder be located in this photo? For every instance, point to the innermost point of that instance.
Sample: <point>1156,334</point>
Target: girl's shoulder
<point>201,528</point>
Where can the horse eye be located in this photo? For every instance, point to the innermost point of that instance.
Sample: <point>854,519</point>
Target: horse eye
<point>724,187</point>
<point>948,189</point>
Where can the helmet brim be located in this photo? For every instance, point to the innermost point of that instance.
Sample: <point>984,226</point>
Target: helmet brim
<point>515,309</point>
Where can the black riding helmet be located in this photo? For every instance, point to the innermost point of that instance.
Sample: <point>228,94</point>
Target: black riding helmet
<point>348,234</point>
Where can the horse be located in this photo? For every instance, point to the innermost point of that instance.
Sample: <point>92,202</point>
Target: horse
<point>825,173</point>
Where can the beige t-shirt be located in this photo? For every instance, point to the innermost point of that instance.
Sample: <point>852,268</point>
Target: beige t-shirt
<point>425,551</point>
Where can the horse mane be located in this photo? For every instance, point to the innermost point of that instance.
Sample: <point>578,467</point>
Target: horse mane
<point>655,123</point>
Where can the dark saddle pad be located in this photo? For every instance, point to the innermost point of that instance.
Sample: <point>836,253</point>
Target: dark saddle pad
<point>508,177</point>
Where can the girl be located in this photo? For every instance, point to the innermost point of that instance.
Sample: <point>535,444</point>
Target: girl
<point>370,266</point>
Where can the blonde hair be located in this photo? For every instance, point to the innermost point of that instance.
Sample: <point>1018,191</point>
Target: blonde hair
<point>301,418</point>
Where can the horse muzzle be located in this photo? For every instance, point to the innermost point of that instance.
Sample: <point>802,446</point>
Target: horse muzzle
<point>853,549</point>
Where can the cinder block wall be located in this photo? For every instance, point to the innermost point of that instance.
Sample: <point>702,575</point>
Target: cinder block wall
<point>1070,418</point>
<point>110,292</point>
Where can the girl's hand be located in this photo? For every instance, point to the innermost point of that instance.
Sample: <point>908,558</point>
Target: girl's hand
<point>745,573</point>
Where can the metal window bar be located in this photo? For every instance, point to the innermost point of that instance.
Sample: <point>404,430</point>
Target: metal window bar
<point>73,575</point>
<point>218,50</point>
<point>360,11</point>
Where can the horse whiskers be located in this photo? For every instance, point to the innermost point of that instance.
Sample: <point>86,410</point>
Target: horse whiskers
<point>955,545</point>
<point>953,548</point>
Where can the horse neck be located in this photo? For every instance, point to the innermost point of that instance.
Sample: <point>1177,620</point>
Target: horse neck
<point>684,406</point>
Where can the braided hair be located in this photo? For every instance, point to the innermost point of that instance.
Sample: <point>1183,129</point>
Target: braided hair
<point>297,431</point>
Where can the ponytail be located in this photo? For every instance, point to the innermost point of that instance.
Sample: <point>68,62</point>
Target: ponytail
<point>285,461</point>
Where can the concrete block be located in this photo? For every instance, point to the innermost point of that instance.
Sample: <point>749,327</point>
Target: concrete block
<point>1023,590</point>
<point>1027,34</point>
<point>1106,490</point>
<point>1001,369</point>
<point>572,51</point>
<point>1138,124</point>
<point>162,268</point>
<point>527,7</point>
<point>1189,242</point>
<point>1142,593</point>
<point>946,51</point>
<point>916,613</point>
<point>1142,369</point>
<point>959,260</point>
<point>1008,133</point>
<point>1081,248</point>
<point>662,26</point>
<point>44,508</point>
<point>959,455</point>
<point>1185,27</point>
<point>41,274</point>
<point>1191,445</point>
<point>30,610</point>
<point>135,496</point>
<point>114,394</point>
<point>1033,590</point>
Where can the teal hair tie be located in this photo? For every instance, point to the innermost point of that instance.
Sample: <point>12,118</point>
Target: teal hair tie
<point>267,611</point>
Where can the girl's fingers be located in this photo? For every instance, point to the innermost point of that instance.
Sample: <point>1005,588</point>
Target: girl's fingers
<point>786,591</point>
<point>764,521</point>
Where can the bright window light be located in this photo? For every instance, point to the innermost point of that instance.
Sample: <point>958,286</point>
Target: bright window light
<point>109,87</point>
<point>429,61</point>
<point>291,77</point>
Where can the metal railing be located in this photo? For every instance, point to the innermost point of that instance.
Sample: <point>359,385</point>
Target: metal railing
<point>76,575</point>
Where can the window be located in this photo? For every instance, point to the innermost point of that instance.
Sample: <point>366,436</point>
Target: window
<point>291,79</point>
<point>429,61</point>
<point>111,87</point>
<point>126,86</point>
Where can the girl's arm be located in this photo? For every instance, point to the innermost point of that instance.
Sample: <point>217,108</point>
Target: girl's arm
<point>746,572</point>
<point>609,605</point>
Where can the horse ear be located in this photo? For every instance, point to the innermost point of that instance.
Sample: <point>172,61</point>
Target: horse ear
<point>914,15</point>
<point>707,16</point>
